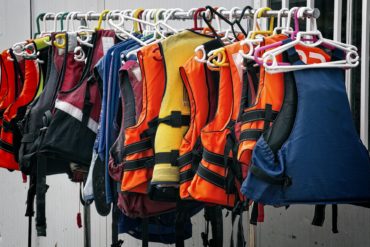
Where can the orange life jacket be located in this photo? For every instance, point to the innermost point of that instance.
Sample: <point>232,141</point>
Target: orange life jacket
<point>201,89</point>
<point>10,136</point>
<point>139,139</point>
<point>218,176</point>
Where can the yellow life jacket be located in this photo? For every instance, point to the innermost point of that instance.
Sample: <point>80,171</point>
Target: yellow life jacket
<point>174,115</point>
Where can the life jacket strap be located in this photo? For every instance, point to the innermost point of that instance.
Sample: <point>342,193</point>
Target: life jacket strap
<point>30,137</point>
<point>145,232</point>
<point>215,159</point>
<point>187,175</point>
<point>150,132</point>
<point>211,177</point>
<point>213,217</point>
<point>176,119</point>
<point>259,173</point>
<point>167,157</point>
<point>6,146</point>
<point>87,104</point>
<point>319,216</point>
<point>132,165</point>
<point>193,157</point>
<point>258,115</point>
<point>137,147</point>
<point>250,135</point>
<point>185,159</point>
<point>41,188</point>
<point>7,126</point>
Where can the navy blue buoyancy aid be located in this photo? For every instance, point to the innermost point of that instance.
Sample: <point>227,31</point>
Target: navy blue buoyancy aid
<point>312,154</point>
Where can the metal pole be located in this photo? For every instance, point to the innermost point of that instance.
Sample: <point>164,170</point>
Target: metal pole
<point>349,41</point>
<point>337,32</point>
<point>364,105</point>
<point>183,15</point>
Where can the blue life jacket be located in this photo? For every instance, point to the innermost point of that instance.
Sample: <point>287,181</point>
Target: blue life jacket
<point>312,154</point>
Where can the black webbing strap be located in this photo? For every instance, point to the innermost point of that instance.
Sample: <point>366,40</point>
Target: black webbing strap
<point>175,119</point>
<point>137,147</point>
<point>7,126</point>
<point>87,104</point>
<point>240,241</point>
<point>211,177</point>
<point>240,234</point>
<point>6,146</point>
<point>334,218</point>
<point>41,188</point>
<point>185,159</point>
<point>250,135</point>
<point>260,174</point>
<point>319,215</point>
<point>29,209</point>
<point>257,115</point>
<point>213,217</point>
<point>180,224</point>
<point>186,176</point>
<point>216,159</point>
<point>167,157</point>
<point>131,165</point>
<point>268,117</point>
<point>234,167</point>
<point>150,132</point>
<point>145,232</point>
<point>30,137</point>
<point>238,210</point>
<point>254,214</point>
<point>117,244</point>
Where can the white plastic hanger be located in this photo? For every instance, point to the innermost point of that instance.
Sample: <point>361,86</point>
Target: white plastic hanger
<point>79,53</point>
<point>119,30</point>
<point>279,26</point>
<point>271,64</point>
<point>167,15</point>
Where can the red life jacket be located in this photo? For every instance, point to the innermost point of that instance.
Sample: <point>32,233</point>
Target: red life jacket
<point>10,134</point>
<point>8,83</point>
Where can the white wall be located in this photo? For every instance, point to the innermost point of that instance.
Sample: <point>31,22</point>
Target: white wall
<point>288,228</point>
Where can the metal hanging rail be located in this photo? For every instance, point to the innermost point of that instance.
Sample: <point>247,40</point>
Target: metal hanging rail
<point>185,15</point>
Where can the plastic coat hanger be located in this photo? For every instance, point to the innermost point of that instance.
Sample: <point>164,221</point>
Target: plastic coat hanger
<point>38,19</point>
<point>121,30</point>
<point>62,20</point>
<point>279,26</point>
<point>100,21</point>
<point>272,66</point>
<point>238,21</point>
<point>250,41</point>
<point>287,29</point>
<point>271,25</point>
<point>44,32</point>
<point>195,19</point>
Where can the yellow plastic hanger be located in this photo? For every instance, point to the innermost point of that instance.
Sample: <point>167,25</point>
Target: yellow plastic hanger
<point>100,21</point>
<point>217,58</point>
<point>271,26</point>
<point>136,14</point>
